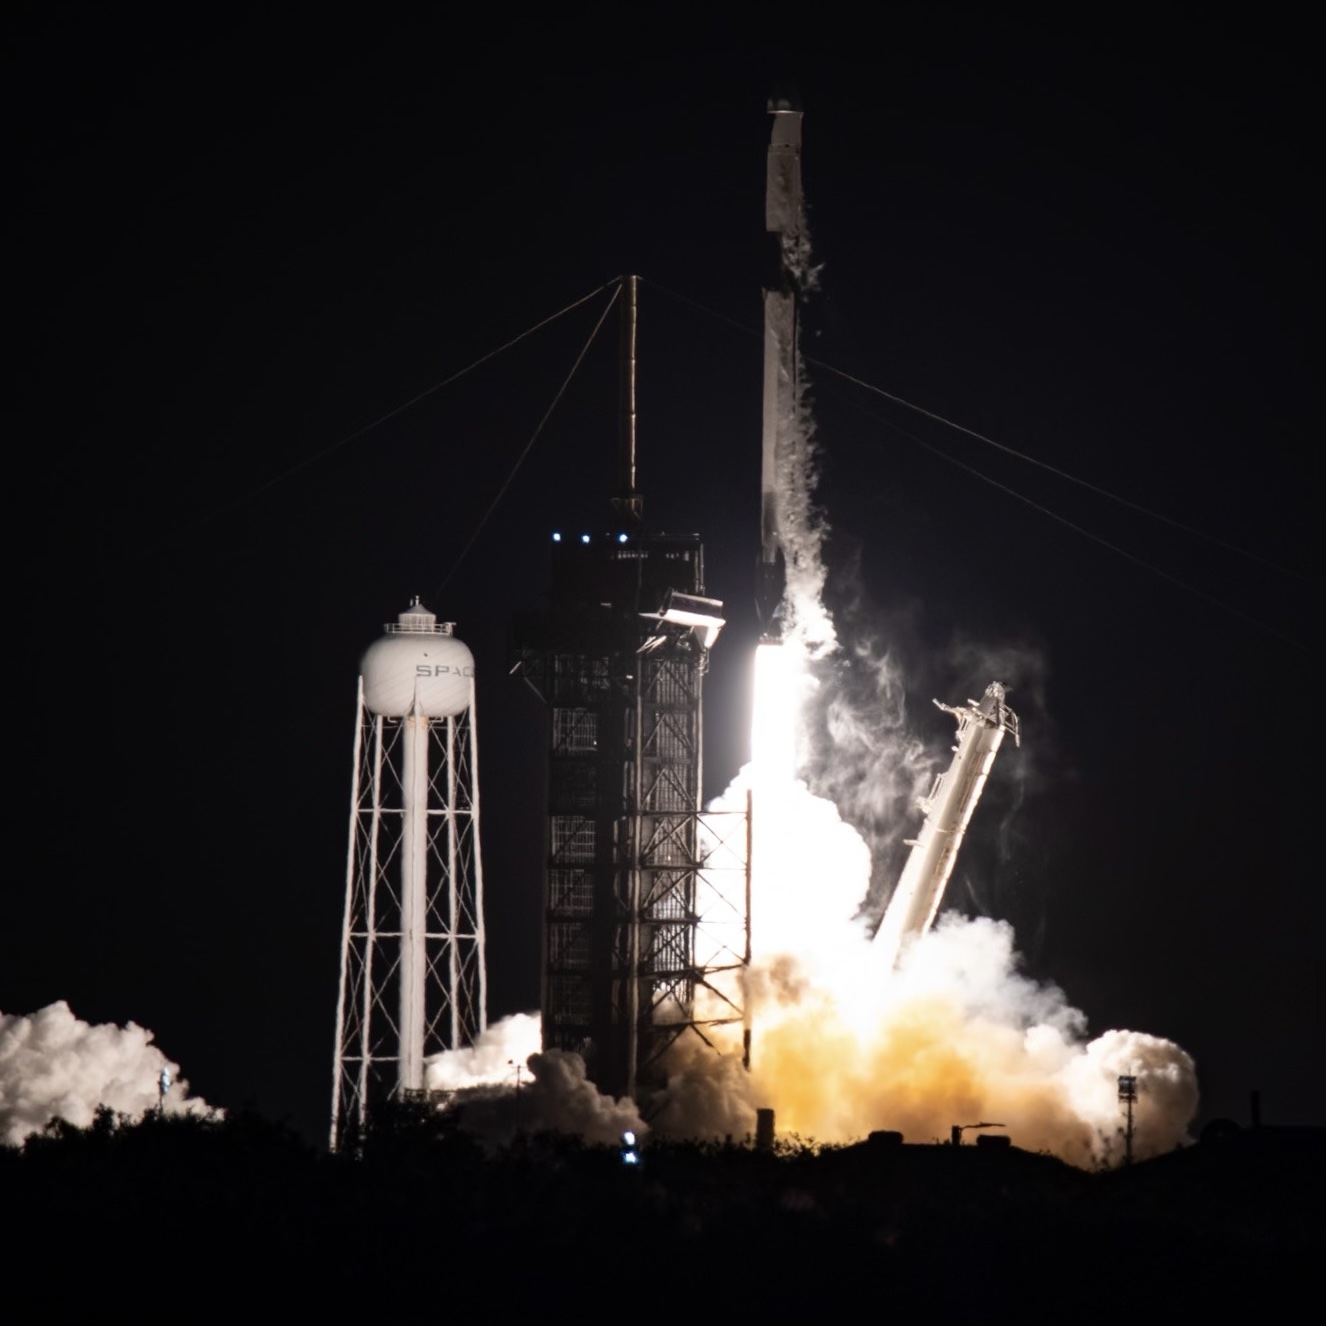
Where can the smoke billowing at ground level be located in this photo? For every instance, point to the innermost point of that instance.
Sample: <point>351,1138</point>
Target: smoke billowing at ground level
<point>54,1065</point>
<point>505,1084</point>
<point>956,1036</point>
<point>842,1044</point>
<point>961,1038</point>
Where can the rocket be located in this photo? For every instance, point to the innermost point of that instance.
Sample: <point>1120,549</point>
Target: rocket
<point>920,889</point>
<point>783,221</point>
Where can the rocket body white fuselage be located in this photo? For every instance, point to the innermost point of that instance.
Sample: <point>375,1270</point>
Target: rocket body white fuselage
<point>920,890</point>
<point>783,221</point>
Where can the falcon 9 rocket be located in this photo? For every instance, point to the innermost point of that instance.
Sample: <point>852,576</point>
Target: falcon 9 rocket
<point>783,221</point>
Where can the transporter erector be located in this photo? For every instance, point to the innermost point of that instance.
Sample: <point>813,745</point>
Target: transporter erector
<point>920,889</point>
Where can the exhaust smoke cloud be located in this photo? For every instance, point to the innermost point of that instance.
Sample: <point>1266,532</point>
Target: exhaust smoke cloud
<point>53,1065</point>
<point>505,1084</point>
<point>841,1045</point>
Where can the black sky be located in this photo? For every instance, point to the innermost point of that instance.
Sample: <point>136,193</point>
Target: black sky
<point>231,246</point>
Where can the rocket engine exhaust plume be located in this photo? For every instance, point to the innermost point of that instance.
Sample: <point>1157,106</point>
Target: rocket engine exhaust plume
<point>53,1065</point>
<point>843,1046</point>
<point>843,1043</point>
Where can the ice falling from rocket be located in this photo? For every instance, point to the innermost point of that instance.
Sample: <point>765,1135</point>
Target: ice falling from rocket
<point>783,221</point>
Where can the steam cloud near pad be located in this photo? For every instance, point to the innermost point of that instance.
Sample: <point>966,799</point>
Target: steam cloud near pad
<point>841,1047</point>
<point>957,1034</point>
<point>53,1065</point>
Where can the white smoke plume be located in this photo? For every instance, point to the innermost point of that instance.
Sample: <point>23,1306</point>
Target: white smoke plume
<point>841,1044</point>
<point>801,525</point>
<point>802,530</point>
<point>707,1096</point>
<point>504,1085</point>
<point>958,1034</point>
<point>53,1065</point>
<point>493,1058</point>
<point>859,751</point>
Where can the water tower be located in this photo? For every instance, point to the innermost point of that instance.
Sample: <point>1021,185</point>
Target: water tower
<point>413,981</point>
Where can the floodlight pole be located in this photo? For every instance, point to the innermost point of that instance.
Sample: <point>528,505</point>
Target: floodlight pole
<point>1128,1098</point>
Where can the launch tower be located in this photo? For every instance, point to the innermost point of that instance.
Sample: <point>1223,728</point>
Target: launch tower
<point>412,952</point>
<point>619,658</point>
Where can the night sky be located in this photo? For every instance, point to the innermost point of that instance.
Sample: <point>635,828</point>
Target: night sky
<point>232,247</point>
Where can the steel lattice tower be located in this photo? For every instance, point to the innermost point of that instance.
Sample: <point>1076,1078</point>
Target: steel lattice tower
<point>634,927</point>
<point>646,936</point>
<point>413,979</point>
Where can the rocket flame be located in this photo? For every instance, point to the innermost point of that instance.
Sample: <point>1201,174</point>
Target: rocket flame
<point>842,1046</point>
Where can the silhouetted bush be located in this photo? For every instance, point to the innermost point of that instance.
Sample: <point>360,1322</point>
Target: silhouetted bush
<point>235,1210</point>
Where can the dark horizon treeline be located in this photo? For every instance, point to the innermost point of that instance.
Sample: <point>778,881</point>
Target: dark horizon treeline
<point>240,1212</point>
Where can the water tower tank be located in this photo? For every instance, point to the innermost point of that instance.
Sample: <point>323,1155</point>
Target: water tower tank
<point>418,660</point>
